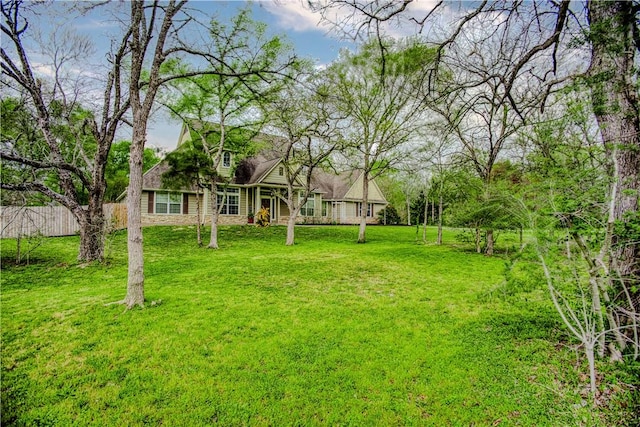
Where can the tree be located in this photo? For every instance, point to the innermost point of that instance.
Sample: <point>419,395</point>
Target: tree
<point>146,36</point>
<point>444,182</point>
<point>303,114</point>
<point>615,48</point>
<point>389,216</point>
<point>223,102</point>
<point>402,184</point>
<point>547,54</point>
<point>117,171</point>
<point>152,34</point>
<point>67,156</point>
<point>18,130</point>
<point>569,202</point>
<point>189,166</point>
<point>377,95</point>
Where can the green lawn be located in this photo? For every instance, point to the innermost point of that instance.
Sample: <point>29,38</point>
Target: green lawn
<point>327,332</point>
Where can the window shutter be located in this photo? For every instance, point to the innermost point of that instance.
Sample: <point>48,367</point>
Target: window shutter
<point>150,202</point>
<point>185,203</point>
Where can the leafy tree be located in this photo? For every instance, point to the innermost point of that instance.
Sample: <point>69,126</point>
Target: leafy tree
<point>399,187</point>
<point>242,72</point>
<point>419,208</point>
<point>189,166</point>
<point>303,114</point>
<point>376,94</point>
<point>20,131</point>
<point>117,171</point>
<point>389,216</point>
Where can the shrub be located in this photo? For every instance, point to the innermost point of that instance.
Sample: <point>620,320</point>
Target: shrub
<point>389,216</point>
<point>263,218</point>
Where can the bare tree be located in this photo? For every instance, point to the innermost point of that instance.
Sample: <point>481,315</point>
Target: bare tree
<point>72,143</point>
<point>544,33</point>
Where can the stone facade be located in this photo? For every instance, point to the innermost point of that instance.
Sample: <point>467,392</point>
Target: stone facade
<point>154,219</point>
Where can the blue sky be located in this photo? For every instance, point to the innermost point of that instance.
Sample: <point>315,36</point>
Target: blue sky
<point>51,22</point>
<point>289,17</point>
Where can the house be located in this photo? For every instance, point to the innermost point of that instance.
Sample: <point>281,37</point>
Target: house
<point>253,183</point>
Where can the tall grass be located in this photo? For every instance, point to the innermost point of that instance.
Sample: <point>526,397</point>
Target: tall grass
<point>327,332</point>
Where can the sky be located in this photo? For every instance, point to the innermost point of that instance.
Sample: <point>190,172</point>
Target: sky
<point>291,18</point>
<point>302,27</point>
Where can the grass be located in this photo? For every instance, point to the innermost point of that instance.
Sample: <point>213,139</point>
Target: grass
<point>327,332</point>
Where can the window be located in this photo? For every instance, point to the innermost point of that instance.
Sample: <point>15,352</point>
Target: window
<point>281,171</point>
<point>230,206</point>
<point>359,209</point>
<point>168,203</point>
<point>325,208</point>
<point>308,208</point>
<point>226,159</point>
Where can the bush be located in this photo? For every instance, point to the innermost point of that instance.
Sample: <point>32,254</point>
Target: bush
<point>263,218</point>
<point>389,216</point>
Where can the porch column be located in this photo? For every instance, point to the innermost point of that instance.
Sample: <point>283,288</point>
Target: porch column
<point>257,197</point>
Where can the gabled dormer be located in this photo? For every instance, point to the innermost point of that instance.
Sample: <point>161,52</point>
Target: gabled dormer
<point>226,164</point>
<point>196,131</point>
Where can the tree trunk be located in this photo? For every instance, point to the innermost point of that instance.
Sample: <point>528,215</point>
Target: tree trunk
<point>138,43</point>
<point>198,217</point>
<point>293,213</point>
<point>489,250</point>
<point>291,230</point>
<point>92,238</point>
<point>362,230</point>
<point>425,220</point>
<point>213,238</point>
<point>433,213</point>
<point>408,211</point>
<point>135,282</point>
<point>440,203</point>
<point>478,247</point>
<point>616,107</point>
<point>92,228</point>
<point>588,350</point>
<point>365,205</point>
<point>18,241</point>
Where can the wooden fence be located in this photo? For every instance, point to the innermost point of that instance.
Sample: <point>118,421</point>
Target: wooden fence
<point>16,221</point>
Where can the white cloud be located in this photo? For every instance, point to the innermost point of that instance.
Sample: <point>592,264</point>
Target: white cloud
<point>43,69</point>
<point>296,15</point>
<point>293,15</point>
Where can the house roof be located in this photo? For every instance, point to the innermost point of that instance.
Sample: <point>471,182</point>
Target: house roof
<point>334,186</point>
<point>253,170</point>
<point>152,179</point>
